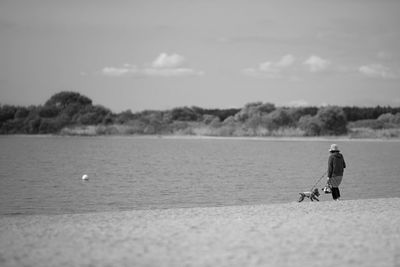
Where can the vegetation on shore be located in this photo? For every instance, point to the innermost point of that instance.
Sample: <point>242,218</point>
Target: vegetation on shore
<point>70,113</point>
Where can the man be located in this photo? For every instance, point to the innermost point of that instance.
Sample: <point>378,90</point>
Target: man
<point>336,167</point>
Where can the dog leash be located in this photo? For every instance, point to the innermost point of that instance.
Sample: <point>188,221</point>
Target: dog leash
<point>323,175</point>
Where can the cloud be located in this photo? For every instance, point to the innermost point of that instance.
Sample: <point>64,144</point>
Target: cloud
<point>127,69</point>
<point>287,67</point>
<point>271,69</point>
<point>163,66</point>
<point>286,61</point>
<point>377,71</point>
<point>316,64</point>
<point>168,61</point>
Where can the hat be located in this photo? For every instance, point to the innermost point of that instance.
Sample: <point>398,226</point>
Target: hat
<point>334,147</point>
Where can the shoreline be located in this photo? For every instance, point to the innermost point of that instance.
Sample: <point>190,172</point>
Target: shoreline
<point>331,233</point>
<point>206,137</point>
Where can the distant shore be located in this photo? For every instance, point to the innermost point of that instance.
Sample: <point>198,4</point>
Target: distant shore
<point>345,233</point>
<point>70,113</point>
<point>276,138</point>
<point>352,133</point>
<point>205,137</point>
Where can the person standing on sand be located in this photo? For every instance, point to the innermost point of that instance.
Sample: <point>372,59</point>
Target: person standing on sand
<point>336,167</point>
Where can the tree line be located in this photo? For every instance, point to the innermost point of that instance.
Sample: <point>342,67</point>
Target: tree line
<point>68,110</point>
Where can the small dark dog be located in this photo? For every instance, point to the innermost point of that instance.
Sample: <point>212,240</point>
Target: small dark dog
<point>311,195</point>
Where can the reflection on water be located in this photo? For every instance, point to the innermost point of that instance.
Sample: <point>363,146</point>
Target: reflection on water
<point>42,175</point>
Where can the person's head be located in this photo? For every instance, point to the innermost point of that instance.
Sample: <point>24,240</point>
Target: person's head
<point>334,148</point>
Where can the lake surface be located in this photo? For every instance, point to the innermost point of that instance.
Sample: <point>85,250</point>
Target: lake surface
<point>42,174</point>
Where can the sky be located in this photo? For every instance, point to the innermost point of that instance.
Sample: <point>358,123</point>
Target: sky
<point>157,54</point>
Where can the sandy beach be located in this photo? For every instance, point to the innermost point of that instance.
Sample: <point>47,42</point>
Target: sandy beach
<point>345,233</point>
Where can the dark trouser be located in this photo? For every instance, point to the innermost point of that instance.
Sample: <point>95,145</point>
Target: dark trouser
<point>335,193</point>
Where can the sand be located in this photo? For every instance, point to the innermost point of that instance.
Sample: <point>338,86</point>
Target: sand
<point>345,233</point>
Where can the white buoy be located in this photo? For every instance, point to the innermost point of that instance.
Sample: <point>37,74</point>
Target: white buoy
<point>85,177</point>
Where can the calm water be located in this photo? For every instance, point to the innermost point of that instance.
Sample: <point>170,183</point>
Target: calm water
<point>42,175</point>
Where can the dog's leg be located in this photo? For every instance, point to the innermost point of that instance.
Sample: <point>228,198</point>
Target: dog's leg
<point>314,197</point>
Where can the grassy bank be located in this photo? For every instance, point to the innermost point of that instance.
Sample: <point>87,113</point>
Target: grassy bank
<point>203,130</point>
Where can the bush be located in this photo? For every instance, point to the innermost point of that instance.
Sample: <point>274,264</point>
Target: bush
<point>396,119</point>
<point>71,110</point>
<point>254,109</point>
<point>215,123</point>
<point>207,119</point>
<point>253,122</point>
<point>90,118</point>
<point>332,121</point>
<point>371,124</point>
<point>92,115</point>
<point>184,114</point>
<point>21,113</point>
<point>391,119</point>
<point>33,125</point>
<point>49,111</point>
<point>280,118</point>
<point>48,126</point>
<point>124,117</point>
<point>63,99</point>
<point>298,112</point>
<point>310,125</point>
<point>7,113</point>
